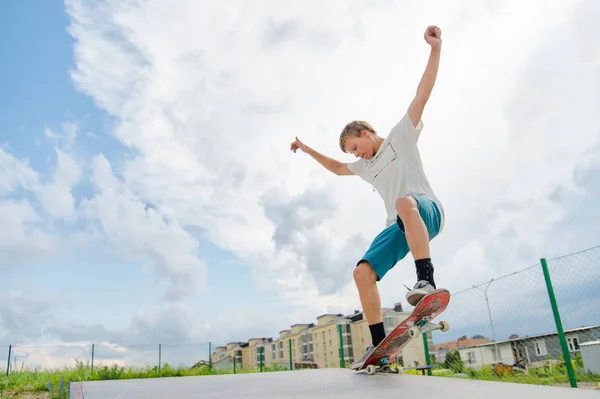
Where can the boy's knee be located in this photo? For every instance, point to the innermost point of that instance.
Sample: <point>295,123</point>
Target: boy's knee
<point>406,205</point>
<point>364,274</point>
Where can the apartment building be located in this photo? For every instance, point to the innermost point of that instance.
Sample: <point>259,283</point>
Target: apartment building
<point>318,345</point>
<point>224,356</point>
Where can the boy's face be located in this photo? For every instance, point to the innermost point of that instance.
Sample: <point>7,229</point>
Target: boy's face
<point>361,147</point>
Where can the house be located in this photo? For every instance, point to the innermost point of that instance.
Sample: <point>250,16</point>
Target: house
<point>527,350</point>
<point>541,347</point>
<point>438,352</point>
<point>488,353</point>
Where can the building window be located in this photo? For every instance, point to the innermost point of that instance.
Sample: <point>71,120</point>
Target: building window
<point>540,348</point>
<point>573,343</point>
<point>471,358</point>
<point>388,322</point>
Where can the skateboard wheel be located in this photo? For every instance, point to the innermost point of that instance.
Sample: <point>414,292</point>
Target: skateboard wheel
<point>371,369</point>
<point>445,326</point>
<point>413,331</point>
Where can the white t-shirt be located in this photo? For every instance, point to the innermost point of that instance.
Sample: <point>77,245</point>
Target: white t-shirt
<point>396,169</point>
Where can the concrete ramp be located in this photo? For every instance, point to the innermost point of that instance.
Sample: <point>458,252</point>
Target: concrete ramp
<point>317,384</point>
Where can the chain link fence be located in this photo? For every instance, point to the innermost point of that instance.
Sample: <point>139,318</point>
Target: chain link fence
<point>52,368</point>
<point>540,325</point>
<point>117,359</point>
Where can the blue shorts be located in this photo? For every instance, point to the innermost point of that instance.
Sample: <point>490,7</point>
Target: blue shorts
<point>390,246</point>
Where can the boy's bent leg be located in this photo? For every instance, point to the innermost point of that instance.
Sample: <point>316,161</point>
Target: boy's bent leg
<point>414,227</point>
<point>366,282</point>
<point>385,251</point>
<point>419,217</point>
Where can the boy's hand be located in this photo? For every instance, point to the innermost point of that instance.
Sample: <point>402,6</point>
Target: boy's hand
<point>298,145</point>
<point>433,36</point>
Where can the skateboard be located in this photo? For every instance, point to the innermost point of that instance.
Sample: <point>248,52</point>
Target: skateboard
<point>419,322</point>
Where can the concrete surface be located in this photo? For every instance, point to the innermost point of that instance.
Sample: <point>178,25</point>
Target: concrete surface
<point>317,384</point>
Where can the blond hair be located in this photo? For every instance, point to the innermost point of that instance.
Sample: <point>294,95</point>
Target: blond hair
<point>353,129</point>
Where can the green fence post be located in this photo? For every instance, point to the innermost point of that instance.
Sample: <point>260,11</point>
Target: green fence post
<point>260,357</point>
<point>427,357</point>
<point>559,327</point>
<point>210,356</point>
<point>159,356</point>
<point>8,362</point>
<point>92,357</point>
<point>234,357</point>
<point>291,362</point>
<point>342,360</point>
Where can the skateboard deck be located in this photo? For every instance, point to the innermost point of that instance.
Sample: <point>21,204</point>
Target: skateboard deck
<point>419,322</point>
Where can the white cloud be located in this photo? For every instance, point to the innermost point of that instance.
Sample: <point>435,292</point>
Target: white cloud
<point>143,234</point>
<point>56,196</point>
<point>28,203</point>
<point>70,132</point>
<point>22,236</point>
<point>23,316</point>
<point>210,109</point>
<point>14,174</point>
<point>22,232</point>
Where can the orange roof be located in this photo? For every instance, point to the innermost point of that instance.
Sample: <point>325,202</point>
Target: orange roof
<point>462,342</point>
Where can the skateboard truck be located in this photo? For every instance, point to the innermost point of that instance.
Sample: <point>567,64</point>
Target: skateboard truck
<point>424,325</point>
<point>382,368</point>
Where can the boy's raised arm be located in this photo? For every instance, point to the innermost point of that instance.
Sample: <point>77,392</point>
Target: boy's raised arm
<point>337,167</point>
<point>433,36</point>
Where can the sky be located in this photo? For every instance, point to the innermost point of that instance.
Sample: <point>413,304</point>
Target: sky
<point>148,194</point>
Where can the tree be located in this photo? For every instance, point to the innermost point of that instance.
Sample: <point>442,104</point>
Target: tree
<point>454,362</point>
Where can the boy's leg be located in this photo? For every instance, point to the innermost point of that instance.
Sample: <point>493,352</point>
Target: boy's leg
<point>366,282</point>
<point>387,249</point>
<point>420,218</point>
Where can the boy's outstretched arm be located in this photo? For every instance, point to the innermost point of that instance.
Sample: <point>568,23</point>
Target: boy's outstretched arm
<point>433,36</point>
<point>337,167</point>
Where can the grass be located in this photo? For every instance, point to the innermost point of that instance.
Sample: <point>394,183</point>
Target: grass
<point>539,376</point>
<point>543,375</point>
<point>30,384</point>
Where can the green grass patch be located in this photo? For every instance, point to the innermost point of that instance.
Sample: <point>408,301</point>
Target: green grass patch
<point>535,376</point>
<point>36,383</point>
<point>555,374</point>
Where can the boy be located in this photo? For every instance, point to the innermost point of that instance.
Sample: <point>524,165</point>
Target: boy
<point>414,215</point>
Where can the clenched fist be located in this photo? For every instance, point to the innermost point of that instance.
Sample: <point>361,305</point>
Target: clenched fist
<point>433,36</point>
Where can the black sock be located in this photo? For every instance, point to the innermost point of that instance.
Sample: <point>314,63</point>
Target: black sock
<point>377,333</point>
<point>425,270</point>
